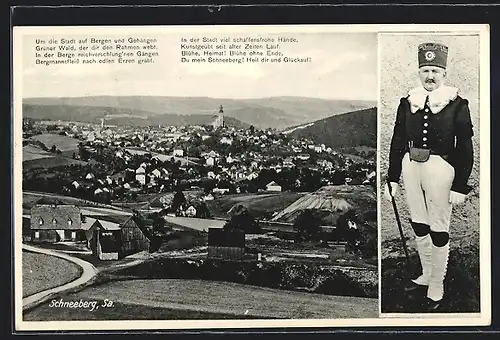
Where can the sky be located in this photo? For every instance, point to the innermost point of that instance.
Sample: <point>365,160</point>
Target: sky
<point>344,66</point>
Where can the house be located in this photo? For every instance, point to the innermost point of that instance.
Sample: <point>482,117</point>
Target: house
<point>140,175</point>
<point>119,177</point>
<point>210,161</point>
<point>252,175</point>
<point>208,197</point>
<point>226,140</point>
<point>191,211</point>
<point>55,223</point>
<point>220,191</point>
<point>226,244</point>
<point>75,184</point>
<point>178,153</point>
<point>105,240</point>
<point>110,240</point>
<point>156,173</point>
<point>352,225</point>
<point>273,186</point>
<point>213,154</point>
<point>90,176</point>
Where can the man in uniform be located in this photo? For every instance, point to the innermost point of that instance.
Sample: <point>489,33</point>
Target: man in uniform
<point>431,148</point>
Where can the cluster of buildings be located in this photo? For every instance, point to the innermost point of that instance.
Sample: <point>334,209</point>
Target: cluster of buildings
<point>214,158</point>
<point>108,239</point>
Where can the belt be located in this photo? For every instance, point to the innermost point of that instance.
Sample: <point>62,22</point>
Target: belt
<point>433,152</point>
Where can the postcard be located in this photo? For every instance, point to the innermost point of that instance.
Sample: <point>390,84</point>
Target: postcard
<point>200,177</point>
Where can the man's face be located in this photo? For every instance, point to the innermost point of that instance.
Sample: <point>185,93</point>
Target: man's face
<point>431,77</point>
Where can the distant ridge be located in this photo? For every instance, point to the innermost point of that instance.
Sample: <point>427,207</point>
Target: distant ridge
<point>119,117</point>
<point>357,128</point>
<point>274,112</point>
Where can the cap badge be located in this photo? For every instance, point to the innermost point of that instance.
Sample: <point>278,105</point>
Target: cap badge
<point>429,55</point>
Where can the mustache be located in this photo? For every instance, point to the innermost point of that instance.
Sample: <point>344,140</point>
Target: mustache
<point>429,81</point>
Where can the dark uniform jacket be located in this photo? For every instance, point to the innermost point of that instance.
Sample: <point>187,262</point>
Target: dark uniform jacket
<point>447,133</point>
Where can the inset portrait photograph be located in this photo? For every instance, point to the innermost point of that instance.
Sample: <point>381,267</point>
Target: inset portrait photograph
<point>429,170</point>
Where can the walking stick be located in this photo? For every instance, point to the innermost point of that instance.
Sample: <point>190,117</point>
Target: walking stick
<point>398,221</point>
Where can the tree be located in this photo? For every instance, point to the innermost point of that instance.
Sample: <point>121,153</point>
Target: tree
<point>307,226</point>
<point>53,149</point>
<point>244,221</point>
<point>202,211</point>
<point>178,200</point>
<point>83,153</point>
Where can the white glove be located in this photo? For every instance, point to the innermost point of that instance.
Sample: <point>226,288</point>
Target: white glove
<point>456,197</point>
<point>394,190</point>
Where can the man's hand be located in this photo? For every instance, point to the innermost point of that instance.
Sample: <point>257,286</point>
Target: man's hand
<point>393,189</point>
<point>456,197</point>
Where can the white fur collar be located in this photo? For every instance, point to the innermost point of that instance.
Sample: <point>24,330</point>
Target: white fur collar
<point>438,98</point>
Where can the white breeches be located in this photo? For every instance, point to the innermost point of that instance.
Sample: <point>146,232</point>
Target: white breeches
<point>427,187</point>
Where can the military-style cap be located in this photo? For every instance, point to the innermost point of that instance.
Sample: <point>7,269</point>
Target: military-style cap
<point>432,54</point>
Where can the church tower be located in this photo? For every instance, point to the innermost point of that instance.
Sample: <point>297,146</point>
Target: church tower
<point>219,121</point>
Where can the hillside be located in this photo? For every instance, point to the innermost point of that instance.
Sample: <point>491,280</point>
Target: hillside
<point>118,116</point>
<point>275,112</point>
<point>332,202</point>
<point>348,129</point>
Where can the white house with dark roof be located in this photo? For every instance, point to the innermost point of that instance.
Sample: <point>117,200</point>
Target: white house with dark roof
<point>54,223</point>
<point>140,175</point>
<point>273,186</point>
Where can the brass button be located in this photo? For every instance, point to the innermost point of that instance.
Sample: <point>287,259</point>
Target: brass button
<point>425,131</point>
<point>424,145</point>
<point>426,125</point>
<point>424,139</point>
<point>425,117</point>
<point>426,110</point>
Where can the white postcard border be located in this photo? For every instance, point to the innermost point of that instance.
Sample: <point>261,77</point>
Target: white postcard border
<point>400,320</point>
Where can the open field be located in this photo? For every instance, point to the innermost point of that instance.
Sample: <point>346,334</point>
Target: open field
<point>123,311</point>
<point>51,161</point>
<point>194,223</point>
<point>221,298</point>
<point>41,272</point>
<point>31,153</point>
<point>63,143</point>
<point>30,198</point>
<point>259,205</point>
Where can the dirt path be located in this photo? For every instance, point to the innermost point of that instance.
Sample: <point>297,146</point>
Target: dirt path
<point>88,273</point>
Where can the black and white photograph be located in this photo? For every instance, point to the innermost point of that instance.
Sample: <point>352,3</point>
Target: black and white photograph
<point>198,174</point>
<point>429,153</point>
